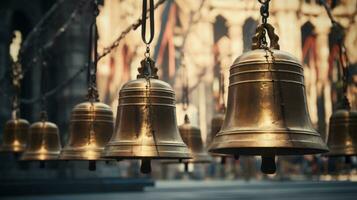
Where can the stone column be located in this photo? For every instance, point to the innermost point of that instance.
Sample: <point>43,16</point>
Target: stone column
<point>322,26</point>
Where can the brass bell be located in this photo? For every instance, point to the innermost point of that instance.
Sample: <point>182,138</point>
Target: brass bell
<point>15,135</point>
<point>146,121</point>
<point>91,127</point>
<point>43,142</point>
<point>191,135</point>
<point>342,137</point>
<point>267,113</point>
<point>92,123</point>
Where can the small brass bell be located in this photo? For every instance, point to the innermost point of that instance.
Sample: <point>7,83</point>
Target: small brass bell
<point>43,143</point>
<point>191,135</point>
<point>342,137</point>
<point>267,113</point>
<point>92,123</point>
<point>91,127</point>
<point>15,135</point>
<point>146,121</point>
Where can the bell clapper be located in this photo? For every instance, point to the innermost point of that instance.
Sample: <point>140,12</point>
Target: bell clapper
<point>223,160</point>
<point>268,165</point>
<point>92,165</point>
<point>145,166</point>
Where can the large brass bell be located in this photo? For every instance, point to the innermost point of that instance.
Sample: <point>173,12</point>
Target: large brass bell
<point>267,113</point>
<point>43,142</point>
<point>146,121</point>
<point>15,135</point>
<point>91,127</point>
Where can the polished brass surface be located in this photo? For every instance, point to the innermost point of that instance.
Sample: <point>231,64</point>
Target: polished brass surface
<point>191,135</point>
<point>15,135</point>
<point>43,143</point>
<point>267,113</point>
<point>342,137</point>
<point>91,127</point>
<point>146,123</point>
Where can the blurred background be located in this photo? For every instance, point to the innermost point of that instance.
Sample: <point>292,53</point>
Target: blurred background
<point>221,32</point>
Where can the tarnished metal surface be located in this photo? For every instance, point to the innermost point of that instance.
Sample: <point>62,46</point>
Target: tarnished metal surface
<point>267,112</point>
<point>15,135</point>
<point>342,137</point>
<point>146,123</point>
<point>91,127</point>
<point>43,143</point>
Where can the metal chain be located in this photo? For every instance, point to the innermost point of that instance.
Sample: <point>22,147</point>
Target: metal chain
<point>343,58</point>
<point>51,41</point>
<point>93,55</point>
<point>126,31</point>
<point>264,12</point>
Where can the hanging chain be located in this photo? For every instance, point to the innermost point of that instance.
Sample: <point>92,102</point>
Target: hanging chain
<point>93,56</point>
<point>16,84</point>
<point>44,79</point>
<point>16,100</point>
<point>264,12</point>
<point>185,87</point>
<point>126,31</point>
<point>343,58</point>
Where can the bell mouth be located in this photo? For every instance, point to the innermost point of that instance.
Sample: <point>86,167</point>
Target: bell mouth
<point>33,156</point>
<point>121,151</point>
<point>82,154</point>
<point>259,151</point>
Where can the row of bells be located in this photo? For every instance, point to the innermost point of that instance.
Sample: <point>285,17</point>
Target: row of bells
<point>266,115</point>
<point>145,129</point>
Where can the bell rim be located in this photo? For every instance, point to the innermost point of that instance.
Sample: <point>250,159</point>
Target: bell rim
<point>77,154</point>
<point>258,151</point>
<point>121,152</point>
<point>34,156</point>
<point>10,148</point>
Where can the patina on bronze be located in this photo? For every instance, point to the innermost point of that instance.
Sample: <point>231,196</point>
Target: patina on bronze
<point>146,121</point>
<point>43,142</point>
<point>267,113</point>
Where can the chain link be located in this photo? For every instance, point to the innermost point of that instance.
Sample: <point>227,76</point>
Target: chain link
<point>264,12</point>
<point>126,31</point>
